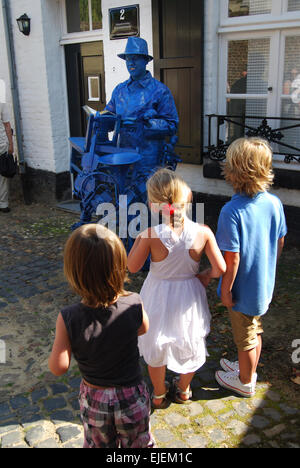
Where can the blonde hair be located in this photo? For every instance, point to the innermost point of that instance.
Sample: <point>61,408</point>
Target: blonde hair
<point>248,166</point>
<point>167,188</point>
<point>95,264</point>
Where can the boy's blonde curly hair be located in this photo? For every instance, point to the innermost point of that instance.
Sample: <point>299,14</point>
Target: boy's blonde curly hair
<point>248,166</point>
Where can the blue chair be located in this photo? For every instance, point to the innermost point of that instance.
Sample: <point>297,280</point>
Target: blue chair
<point>102,170</point>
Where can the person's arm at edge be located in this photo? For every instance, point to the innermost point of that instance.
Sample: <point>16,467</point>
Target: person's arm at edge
<point>280,247</point>
<point>139,252</point>
<point>145,324</point>
<point>8,131</point>
<point>60,357</point>
<point>232,260</point>
<point>215,257</point>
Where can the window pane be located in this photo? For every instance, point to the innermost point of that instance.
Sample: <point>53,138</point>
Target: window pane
<point>258,66</point>
<point>248,70</point>
<point>291,64</point>
<point>248,66</point>
<point>77,12</point>
<point>290,102</point>
<point>292,135</point>
<point>97,14</point>
<point>93,88</point>
<point>249,7</point>
<point>245,108</point>
<point>294,5</point>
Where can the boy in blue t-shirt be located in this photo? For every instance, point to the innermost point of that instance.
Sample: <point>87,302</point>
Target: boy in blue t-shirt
<point>251,230</point>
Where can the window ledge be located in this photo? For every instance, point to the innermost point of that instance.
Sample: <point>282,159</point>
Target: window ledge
<point>84,36</point>
<point>284,178</point>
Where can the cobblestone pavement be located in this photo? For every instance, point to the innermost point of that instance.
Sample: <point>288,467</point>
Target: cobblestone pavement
<point>40,411</point>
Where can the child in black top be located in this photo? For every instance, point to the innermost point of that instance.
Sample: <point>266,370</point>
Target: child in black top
<point>102,332</point>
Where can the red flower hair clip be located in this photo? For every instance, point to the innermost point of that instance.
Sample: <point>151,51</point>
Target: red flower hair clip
<point>168,210</point>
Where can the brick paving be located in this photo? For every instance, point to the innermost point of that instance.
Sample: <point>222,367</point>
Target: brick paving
<point>38,410</point>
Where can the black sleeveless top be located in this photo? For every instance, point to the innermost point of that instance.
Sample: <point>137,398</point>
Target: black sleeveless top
<point>104,341</point>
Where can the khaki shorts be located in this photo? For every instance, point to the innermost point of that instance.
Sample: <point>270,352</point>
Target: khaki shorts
<point>245,329</point>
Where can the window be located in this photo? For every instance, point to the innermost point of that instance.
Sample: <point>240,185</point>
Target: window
<point>83,15</point>
<point>259,72</point>
<point>248,7</point>
<point>93,88</point>
<point>293,5</point>
<point>290,98</point>
<point>257,11</point>
<point>261,79</point>
<point>96,14</point>
<point>247,82</point>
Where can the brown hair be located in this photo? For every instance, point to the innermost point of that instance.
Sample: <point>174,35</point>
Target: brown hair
<point>95,264</point>
<point>248,166</point>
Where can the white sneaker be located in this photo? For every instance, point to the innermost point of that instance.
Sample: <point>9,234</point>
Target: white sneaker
<point>229,366</point>
<point>231,381</point>
<point>233,366</point>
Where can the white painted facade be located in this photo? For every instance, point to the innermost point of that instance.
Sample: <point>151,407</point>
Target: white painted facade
<point>4,70</point>
<point>41,84</point>
<point>40,68</point>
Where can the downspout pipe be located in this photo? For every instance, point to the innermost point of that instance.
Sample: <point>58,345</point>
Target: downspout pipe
<point>13,84</point>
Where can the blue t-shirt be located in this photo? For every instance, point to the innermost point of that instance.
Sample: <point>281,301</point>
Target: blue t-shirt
<point>252,227</point>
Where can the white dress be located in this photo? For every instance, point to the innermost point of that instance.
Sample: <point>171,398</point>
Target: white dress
<point>176,304</point>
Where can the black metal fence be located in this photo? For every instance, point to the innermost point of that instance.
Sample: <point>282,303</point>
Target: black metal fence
<point>285,140</point>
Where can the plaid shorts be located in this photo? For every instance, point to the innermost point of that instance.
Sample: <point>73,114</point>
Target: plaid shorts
<point>116,417</point>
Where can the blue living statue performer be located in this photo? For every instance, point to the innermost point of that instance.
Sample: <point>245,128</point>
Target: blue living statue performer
<point>145,122</point>
<point>146,107</point>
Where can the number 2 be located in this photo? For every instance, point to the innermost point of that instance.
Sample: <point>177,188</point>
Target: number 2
<point>122,14</point>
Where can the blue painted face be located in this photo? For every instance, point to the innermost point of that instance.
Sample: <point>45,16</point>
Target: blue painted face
<point>136,66</point>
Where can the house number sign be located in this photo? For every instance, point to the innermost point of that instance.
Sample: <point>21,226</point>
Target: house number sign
<point>124,22</point>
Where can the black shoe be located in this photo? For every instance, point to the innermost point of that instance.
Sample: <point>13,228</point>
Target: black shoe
<point>5,210</point>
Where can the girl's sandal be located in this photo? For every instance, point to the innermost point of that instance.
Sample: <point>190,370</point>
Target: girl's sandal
<point>178,392</point>
<point>165,403</point>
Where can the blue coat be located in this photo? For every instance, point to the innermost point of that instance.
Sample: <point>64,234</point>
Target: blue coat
<point>148,113</point>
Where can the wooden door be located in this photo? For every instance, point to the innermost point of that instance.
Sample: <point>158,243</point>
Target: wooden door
<point>178,62</point>
<point>85,82</point>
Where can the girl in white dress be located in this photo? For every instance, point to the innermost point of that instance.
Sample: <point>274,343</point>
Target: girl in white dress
<point>174,293</point>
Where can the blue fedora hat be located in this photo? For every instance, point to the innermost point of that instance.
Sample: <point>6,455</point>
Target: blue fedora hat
<point>136,46</point>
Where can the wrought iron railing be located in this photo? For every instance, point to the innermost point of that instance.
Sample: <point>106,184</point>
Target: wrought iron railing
<point>284,143</point>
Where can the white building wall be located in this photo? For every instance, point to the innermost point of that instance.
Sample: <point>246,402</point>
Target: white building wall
<point>115,68</point>
<point>5,94</point>
<point>56,83</point>
<point>42,83</point>
<point>211,61</point>
<point>41,76</point>
<point>32,85</point>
